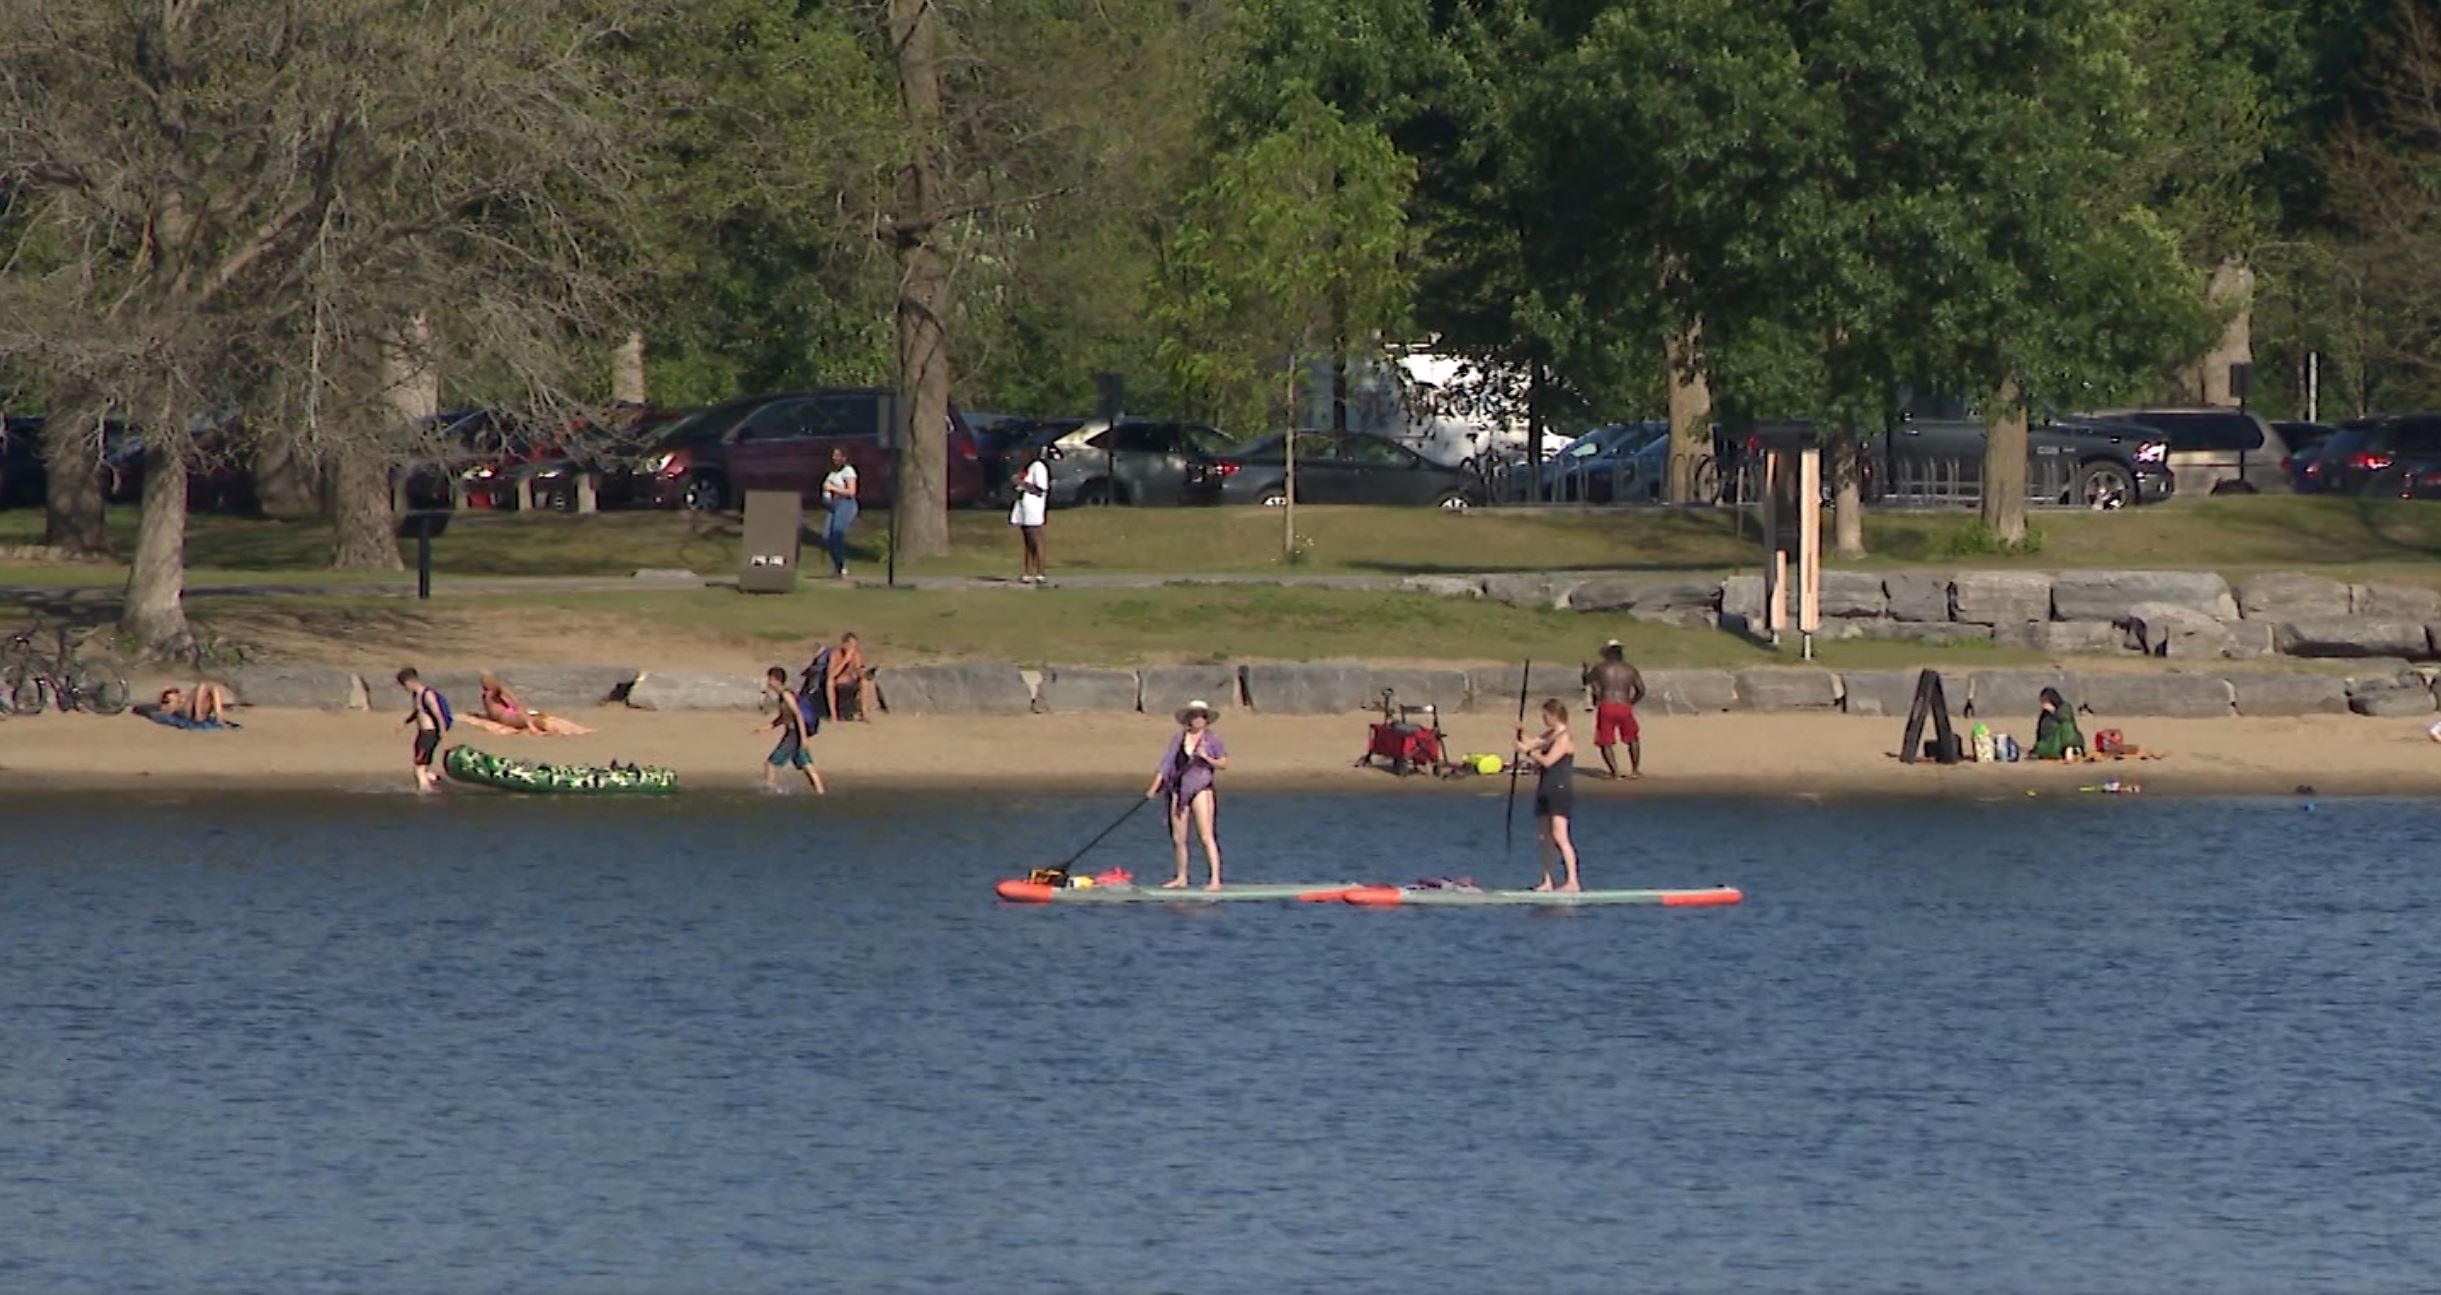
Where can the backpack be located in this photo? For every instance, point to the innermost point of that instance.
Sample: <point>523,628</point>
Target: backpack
<point>811,691</point>
<point>809,709</point>
<point>440,706</point>
<point>2110,741</point>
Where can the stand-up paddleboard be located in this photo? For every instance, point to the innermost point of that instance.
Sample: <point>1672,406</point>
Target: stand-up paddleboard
<point>1424,896</point>
<point>1035,892</point>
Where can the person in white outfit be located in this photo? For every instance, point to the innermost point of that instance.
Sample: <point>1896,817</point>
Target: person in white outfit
<point>1033,497</point>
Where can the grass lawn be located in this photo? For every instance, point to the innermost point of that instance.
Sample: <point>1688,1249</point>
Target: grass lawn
<point>2344,537</point>
<point>1058,626</point>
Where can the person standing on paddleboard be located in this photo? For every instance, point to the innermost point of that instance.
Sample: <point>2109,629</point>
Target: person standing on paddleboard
<point>1185,777</point>
<point>1554,758</point>
<point>1618,689</point>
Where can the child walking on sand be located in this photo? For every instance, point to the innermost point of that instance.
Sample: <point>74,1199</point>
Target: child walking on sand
<point>791,751</point>
<point>430,717</point>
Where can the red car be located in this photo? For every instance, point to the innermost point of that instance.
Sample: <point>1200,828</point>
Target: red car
<point>784,442</point>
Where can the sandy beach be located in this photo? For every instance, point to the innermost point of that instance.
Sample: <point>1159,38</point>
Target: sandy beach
<point>1729,754</point>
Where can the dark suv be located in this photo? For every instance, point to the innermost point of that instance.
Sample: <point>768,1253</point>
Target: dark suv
<point>1935,456</point>
<point>784,442</point>
<point>2391,454</point>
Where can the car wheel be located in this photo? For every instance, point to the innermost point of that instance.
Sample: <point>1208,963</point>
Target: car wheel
<point>705,494</point>
<point>1453,501</point>
<point>2104,486</point>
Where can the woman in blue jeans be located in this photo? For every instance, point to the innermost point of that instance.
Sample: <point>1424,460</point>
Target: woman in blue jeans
<point>839,495</point>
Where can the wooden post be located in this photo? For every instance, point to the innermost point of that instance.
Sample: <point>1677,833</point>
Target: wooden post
<point>1809,546</point>
<point>1775,559</point>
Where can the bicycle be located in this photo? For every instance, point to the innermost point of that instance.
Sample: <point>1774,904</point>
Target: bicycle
<point>27,683</point>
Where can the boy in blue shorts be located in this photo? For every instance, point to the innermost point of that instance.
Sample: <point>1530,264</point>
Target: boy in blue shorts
<point>794,732</point>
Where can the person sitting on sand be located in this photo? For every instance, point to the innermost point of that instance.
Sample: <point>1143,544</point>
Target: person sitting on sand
<point>843,685</point>
<point>1185,777</point>
<point>505,712</point>
<point>2055,729</point>
<point>1553,755</point>
<point>203,706</point>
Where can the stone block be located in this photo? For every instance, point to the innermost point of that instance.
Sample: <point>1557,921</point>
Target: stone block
<point>2004,695</point>
<point>1492,690</point>
<point>1548,593</point>
<point>695,690</point>
<point>2248,639</point>
<point>2263,693</point>
<point>303,687</point>
<point>2061,638</point>
<point>2182,696</point>
<point>1645,596</point>
<point>1685,692</point>
<point>2395,602</point>
<point>1774,690</point>
<point>1420,686</point>
<point>1444,586</point>
<point>1070,690</point>
<point>1916,595</point>
<point>1166,688</point>
<point>1309,688</point>
<point>2108,595</point>
<point>564,687</point>
<point>2351,636</point>
<point>1938,632</point>
<point>1743,596</point>
<point>2405,695</point>
<point>956,688</point>
<point>1853,594</point>
<point>1685,618</point>
<point>2291,596</point>
<point>2175,630</point>
<point>1882,692</point>
<point>2000,597</point>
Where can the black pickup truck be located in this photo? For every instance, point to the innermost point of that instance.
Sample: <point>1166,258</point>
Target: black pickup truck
<point>2080,462</point>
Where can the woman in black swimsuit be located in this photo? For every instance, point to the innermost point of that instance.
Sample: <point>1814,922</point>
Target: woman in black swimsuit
<point>1554,757</point>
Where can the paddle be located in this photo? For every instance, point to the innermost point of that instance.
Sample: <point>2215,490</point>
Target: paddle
<point>1057,874</point>
<point>1525,677</point>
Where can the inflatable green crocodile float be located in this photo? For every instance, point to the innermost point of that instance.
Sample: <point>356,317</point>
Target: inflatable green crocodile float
<point>467,764</point>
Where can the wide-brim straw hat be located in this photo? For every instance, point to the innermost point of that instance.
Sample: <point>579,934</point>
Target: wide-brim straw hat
<point>1198,707</point>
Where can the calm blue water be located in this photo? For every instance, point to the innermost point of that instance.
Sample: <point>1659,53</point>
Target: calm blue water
<point>754,1045</point>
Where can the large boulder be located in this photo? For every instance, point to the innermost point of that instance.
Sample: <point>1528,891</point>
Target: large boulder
<point>1166,688</point>
<point>1884,692</point>
<point>1689,692</point>
<point>1548,593</point>
<point>2006,694</point>
<point>2060,638</point>
<point>1310,688</point>
<point>1853,594</point>
<point>565,687</point>
<point>2267,694</point>
<point>2399,696</point>
<point>1647,597</point>
<point>2291,596</point>
<point>1944,633</point>
<point>2395,602</point>
<point>1444,586</point>
<point>1774,690</point>
<point>1069,690</point>
<point>2000,597</point>
<point>1918,596</point>
<point>1493,689</point>
<point>2175,630</point>
<point>694,690</point>
<point>2184,696</point>
<point>1418,686</point>
<point>1742,596</point>
<point>2249,639</point>
<point>303,687</point>
<point>2108,595</point>
<point>957,688</point>
<point>2352,636</point>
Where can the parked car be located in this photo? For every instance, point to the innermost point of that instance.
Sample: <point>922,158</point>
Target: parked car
<point>1140,461</point>
<point>1934,455</point>
<point>220,476</point>
<point>2216,451</point>
<point>785,443</point>
<point>2380,455</point>
<point>1332,468</point>
<point>23,478</point>
<point>1607,465</point>
<point>2305,442</point>
<point>613,449</point>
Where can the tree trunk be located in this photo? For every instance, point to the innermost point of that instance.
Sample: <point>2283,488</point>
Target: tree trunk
<point>365,534</point>
<point>285,484</point>
<point>627,370</point>
<point>2231,288</point>
<point>1534,431</point>
<point>1848,494</point>
<point>1690,412</point>
<point>2004,466</point>
<point>155,614</point>
<point>922,488</point>
<point>72,518</point>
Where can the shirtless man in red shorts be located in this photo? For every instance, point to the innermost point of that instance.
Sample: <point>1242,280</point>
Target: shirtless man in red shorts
<point>1617,690</point>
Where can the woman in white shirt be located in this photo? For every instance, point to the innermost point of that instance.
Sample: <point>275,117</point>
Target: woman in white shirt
<point>839,494</point>
<point>1033,496</point>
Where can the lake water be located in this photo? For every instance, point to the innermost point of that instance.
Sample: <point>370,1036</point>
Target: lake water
<point>749,1045</point>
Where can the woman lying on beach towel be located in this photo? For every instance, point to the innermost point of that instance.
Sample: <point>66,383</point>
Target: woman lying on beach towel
<point>504,712</point>
<point>205,707</point>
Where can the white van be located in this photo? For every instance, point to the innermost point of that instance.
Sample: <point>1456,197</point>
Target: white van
<point>1450,410</point>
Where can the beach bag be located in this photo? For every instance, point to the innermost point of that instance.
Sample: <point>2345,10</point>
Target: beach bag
<point>2109,742</point>
<point>1985,751</point>
<point>440,706</point>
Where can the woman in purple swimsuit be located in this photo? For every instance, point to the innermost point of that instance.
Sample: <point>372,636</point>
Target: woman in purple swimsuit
<point>1185,777</point>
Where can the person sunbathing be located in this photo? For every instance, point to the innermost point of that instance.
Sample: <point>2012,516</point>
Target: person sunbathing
<point>505,712</point>
<point>203,706</point>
